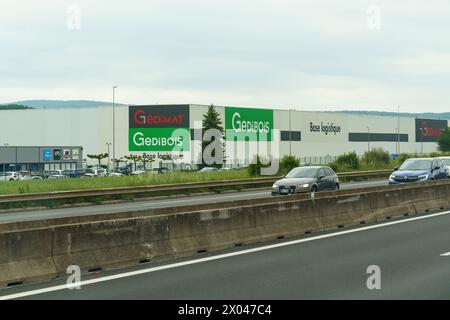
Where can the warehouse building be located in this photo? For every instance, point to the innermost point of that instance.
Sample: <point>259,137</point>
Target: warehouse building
<point>158,131</point>
<point>38,159</point>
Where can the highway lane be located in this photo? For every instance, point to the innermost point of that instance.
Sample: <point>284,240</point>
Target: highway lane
<point>412,255</point>
<point>29,215</point>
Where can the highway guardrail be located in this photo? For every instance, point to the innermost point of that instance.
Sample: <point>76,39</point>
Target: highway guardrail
<point>184,187</point>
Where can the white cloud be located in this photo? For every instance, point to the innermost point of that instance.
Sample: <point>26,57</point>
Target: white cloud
<point>317,54</point>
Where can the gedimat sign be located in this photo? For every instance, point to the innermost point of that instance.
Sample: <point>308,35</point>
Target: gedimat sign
<point>159,128</point>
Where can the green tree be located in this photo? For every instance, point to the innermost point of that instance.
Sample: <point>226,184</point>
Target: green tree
<point>211,120</point>
<point>98,157</point>
<point>444,141</point>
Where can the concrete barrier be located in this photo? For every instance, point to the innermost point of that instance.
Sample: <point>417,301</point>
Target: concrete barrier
<point>26,256</point>
<point>38,250</point>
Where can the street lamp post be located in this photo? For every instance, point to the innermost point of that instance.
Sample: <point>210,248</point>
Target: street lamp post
<point>108,144</point>
<point>290,134</point>
<point>114,122</point>
<point>368,138</point>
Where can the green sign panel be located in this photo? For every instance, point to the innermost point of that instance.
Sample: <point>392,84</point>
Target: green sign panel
<point>248,124</point>
<point>159,128</point>
<point>159,139</point>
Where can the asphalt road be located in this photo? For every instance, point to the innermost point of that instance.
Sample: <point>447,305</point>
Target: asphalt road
<point>408,252</point>
<point>29,215</point>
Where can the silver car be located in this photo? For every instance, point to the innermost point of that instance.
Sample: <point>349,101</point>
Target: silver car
<point>306,179</point>
<point>446,161</point>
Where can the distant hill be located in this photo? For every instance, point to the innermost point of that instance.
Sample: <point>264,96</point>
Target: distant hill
<point>53,104</point>
<point>13,106</point>
<point>424,115</point>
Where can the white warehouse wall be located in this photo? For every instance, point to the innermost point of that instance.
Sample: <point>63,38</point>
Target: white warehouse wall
<point>92,129</point>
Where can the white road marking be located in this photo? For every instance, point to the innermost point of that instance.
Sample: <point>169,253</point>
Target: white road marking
<point>217,257</point>
<point>445,254</point>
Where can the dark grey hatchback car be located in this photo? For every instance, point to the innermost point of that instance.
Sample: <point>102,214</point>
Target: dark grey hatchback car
<point>306,179</point>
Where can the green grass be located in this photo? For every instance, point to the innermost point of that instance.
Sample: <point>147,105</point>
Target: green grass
<point>42,186</point>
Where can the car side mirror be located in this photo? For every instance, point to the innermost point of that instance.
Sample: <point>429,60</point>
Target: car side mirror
<point>437,168</point>
<point>321,177</point>
<point>396,168</point>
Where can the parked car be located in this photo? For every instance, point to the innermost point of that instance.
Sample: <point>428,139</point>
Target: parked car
<point>27,178</point>
<point>116,174</point>
<point>48,174</point>
<point>306,179</point>
<point>123,170</point>
<point>224,169</point>
<point>446,161</point>
<point>95,172</point>
<point>9,176</point>
<point>138,172</point>
<point>57,177</point>
<point>75,173</point>
<point>419,170</point>
<point>208,169</point>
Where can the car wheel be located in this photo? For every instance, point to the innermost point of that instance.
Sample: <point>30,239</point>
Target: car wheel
<point>314,189</point>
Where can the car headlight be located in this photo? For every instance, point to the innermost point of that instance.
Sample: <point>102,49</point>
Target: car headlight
<point>306,185</point>
<point>275,186</point>
<point>422,177</point>
<point>392,177</point>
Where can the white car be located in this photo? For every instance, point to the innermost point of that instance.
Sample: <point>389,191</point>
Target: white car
<point>95,172</point>
<point>208,169</point>
<point>9,176</point>
<point>116,174</point>
<point>27,178</point>
<point>57,177</point>
<point>138,172</point>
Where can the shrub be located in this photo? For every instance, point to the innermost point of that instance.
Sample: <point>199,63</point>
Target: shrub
<point>404,156</point>
<point>444,141</point>
<point>376,158</point>
<point>288,163</point>
<point>334,166</point>
<point>254,169</point>
<point>348,161</point>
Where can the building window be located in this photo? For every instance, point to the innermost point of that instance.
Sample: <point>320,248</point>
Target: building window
<point>291,136</point>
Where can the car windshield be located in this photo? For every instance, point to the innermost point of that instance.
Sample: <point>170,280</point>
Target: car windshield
<point>446,162</point>
<point>421,164</point>
<point>302,173</point>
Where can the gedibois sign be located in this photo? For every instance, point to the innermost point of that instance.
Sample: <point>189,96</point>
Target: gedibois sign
<point>159,128</point>
<point>248,124</point>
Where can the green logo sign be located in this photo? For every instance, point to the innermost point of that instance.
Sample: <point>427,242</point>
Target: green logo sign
<point>248,124</point>
<point>159,139</point>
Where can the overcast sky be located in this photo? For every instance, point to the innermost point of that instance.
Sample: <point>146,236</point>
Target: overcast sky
<point>311,55</point>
